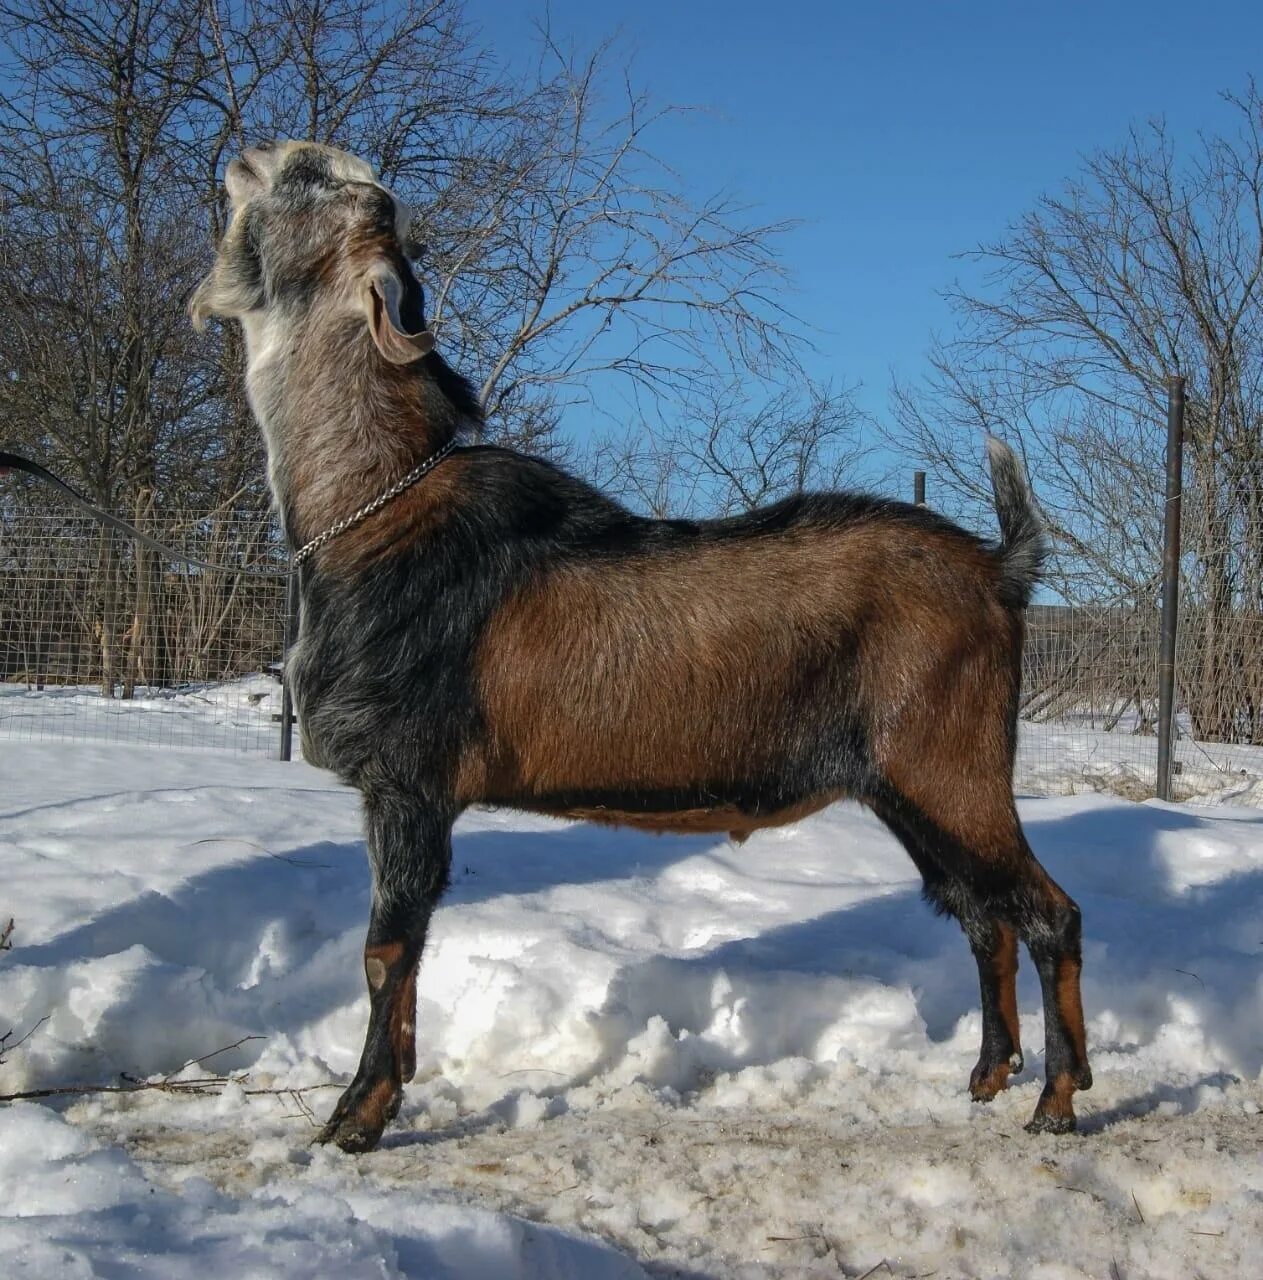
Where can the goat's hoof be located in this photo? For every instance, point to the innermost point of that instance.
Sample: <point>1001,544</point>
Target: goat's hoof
<point>989,1078</point>
<point>1083,1081</point>
<point>349,1135</point>
<point>1049,1122</point>
<point>361,1115</point>
<point>1054,1112</point>
<point>986,1082</point>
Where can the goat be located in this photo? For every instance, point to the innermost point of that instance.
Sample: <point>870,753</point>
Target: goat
<point>501,633</point>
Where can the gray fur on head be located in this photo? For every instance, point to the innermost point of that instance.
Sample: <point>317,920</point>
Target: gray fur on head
<point>314,266</point>
<point>293,204</point>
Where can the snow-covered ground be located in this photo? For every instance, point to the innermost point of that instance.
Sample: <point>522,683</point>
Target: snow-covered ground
<point>638,1056</point>
<point>236,715</point>
<point>1072,756</point>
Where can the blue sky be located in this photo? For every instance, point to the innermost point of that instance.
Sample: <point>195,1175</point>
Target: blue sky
<point>902,134</point>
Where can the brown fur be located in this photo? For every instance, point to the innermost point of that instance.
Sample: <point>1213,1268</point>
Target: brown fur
<point>338,460</point>
<point>384,963</point>
<point>722,818</point>
<point>657,672</point>
<point>1056,1104</point>
<point>1070,1005</point>
<point>1006,977</point>
<point>403,1026</point>
<point>983,1087</point>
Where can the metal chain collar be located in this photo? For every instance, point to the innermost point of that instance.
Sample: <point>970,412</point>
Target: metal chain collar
<point>369,508</point>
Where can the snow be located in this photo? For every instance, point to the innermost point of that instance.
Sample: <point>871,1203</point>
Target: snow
<point>84,1209</point>
<point>234,715</point>
<point>1071,755</point>
<point>637,1055</point>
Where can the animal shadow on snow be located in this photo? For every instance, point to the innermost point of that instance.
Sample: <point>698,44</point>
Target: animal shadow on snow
<point>272,944</point>
<point>1156,950</point>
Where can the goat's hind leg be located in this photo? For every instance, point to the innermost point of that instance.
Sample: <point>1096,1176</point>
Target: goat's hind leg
<point>994,945</point>
<point>995,887</point>
<point>410,853</point>
<point>1052,930</point>
<point>1022,901</point>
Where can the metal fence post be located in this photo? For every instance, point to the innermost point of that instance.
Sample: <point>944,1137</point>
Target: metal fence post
<point>1170,582</point>
<point>287,701</point>
<point>918,488</point>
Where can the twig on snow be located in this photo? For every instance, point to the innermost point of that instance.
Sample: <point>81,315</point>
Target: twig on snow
<point>202,1085</point>
<point>1083,1191</point>
<point>280,857</point>
<point>6,944</point>
<point>168,1083</point>
<point>874,1269</point>
<point>304,1110</point>
<point>6,1047</point>
<point>214,1053</point>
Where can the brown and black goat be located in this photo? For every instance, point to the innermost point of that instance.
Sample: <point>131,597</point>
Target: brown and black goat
<point>501,633</point>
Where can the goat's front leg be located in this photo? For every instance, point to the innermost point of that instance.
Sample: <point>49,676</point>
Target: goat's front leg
<point>410,853</point>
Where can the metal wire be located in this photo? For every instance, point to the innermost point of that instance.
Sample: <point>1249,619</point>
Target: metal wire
<point>1089,711</point>
<point>102,639</point>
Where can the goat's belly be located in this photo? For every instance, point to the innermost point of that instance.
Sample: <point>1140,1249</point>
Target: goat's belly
<point>730,818</point>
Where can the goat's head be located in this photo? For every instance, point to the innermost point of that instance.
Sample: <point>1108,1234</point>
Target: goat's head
<point>312,226</point>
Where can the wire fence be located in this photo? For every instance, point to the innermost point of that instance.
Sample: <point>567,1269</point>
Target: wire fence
<point>1090,704</point>
<point>101,639</point>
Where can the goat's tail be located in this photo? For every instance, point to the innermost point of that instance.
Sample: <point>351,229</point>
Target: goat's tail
<point>1023,542</point>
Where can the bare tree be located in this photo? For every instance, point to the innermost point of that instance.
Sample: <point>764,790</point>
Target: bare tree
<point>722,454</point>
<point>560,248</point>
<point>98,258</point>
<point>590,258</point>
<point>1148,264</point>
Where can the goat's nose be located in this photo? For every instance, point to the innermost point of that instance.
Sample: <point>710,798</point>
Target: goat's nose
<point>259,159</point>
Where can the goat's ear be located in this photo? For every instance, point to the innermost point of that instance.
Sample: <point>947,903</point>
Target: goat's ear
<point>385,295</point>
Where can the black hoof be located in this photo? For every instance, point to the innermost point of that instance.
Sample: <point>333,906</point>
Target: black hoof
<point>349,1135</point>
<point>1046,1122</point>
<point>361,1115</point>
<point>990,1077</point>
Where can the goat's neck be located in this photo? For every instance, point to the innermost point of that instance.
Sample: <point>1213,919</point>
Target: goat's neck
<point>341,425</point>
